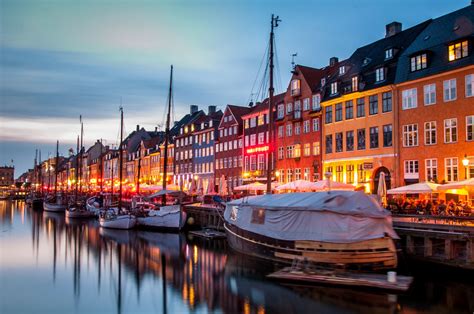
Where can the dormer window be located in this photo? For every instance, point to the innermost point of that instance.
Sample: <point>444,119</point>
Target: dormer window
<point>342,70</point>
<point>355,83</point>
<point>380,74</point>
<point>295,87</point>
<point>418,62</point>
<point>366,61</point>
<point>333,88</point>
<point>458,50</point>
<point>323,81</point>
<point>389,53</point>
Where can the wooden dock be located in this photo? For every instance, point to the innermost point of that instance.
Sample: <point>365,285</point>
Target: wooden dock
<point>342,278</point>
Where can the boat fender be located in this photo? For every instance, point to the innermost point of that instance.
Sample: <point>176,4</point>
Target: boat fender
<point>95,204</point>
<point>392,276</point>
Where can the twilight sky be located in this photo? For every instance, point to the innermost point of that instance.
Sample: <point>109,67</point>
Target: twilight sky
<point>63,58</point>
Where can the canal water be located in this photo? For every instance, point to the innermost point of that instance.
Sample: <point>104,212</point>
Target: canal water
<point>49,264</point>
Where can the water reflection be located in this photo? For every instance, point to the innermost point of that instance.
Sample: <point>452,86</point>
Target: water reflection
<point>67,265</point>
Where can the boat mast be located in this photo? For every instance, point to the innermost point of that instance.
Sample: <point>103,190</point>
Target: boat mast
<point>271,90</point>
<point>40,174</point>
<point>35,172</point>
<point>167,131</point>
<point>101,167</point>
<point>120,159</point>
<point>82,136</point>
<point>56,167</point>
<point>77,169</point>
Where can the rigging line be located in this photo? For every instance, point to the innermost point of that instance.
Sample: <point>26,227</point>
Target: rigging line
<point>264,57</point>
<point>278,72</point>
<point>261,94</point>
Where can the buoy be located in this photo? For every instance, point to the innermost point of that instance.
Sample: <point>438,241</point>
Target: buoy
<point>190,221</point>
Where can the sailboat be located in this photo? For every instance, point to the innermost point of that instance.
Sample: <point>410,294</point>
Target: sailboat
<point>326,228</point>
<point>117,217</point>
<point>78,209</point>
<point>168,217</point>
<point>57,202</point>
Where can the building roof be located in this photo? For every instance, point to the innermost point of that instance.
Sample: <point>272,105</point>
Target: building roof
<point>434,40</point>
<point>263,106</point>
<point>367,59</point>
<point>238,112</point>
<point>312,76</point>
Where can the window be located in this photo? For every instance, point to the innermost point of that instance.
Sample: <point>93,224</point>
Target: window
<point>253,138</point>
<point>361,175</point>
<point>306,174</point>
<point>297,128</point>
<point>379,74</point>
<point>289,108</point>
<point>470,128</point>
<point>295,87</point>
<point>306,104</point>
<point>360,139</point>
<point>281,111</point>
<point>469,82</point>
<point>246,123</point>
<point>451,169</point>
<point>306,127</point>
<point>418,62</point>
<point>281,131</point>
<point>316,102</point>
<point>449,87</point>
<point>328,144</point>
<point>339,173</point>
<point>328,115</point>
<point>389,53</point>
<point>246,140</point>
<point>360,107</point>
<point>261,119</point>
<point>387,102</point>
<point>374,137</point>
<point>411,169</point>
<point>289,175</point>
<point>333,88</point>
<point>339,142</point>
<point>373,105</point>
<point>349,141</point>
<point>431,169</point>
<point>355,83</point>
<point>450,130</point>
<point>307,149</point>
<point>281,152</point>
<point>387,135</point>
<point>261,138</point>
<point>349,110</point>
<point>253,163</point>
<point>253,122</point>
<point>323,81</point>
<point>261,162</point>
<point>289,129</point>
<point>298,174</point>
<point>429,92</point>
<point>338,112</point>
<point>289,151</point>
<point>297,109</point>
<point>410,135</point>
<point>258,216</point>
<point>350,173</point>
<point>430,133</point>
<point>315,125</point>
<point>316,148</point>
<point>409,99</point>
<point>342,70</point>
<point>458,50</point>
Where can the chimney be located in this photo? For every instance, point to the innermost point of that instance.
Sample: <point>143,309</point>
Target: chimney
<point>194,109</point>
<point>156,130</point>
<point>393,29</point>
<point>211,110</point>
<point>333,61</point>
<point>138,127</point>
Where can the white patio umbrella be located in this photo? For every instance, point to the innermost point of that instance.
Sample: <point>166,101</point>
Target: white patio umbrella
<point>298,185</point>
<point>210,186</point>
<point>256,186</point>
<point>417,188</point>
<point>324,185</point>
<point>223,186</point>
<point>465,184</point>
<point>382,189</point>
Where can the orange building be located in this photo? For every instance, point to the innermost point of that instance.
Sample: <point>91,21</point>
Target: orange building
<point>436,102</point>
<point>359,119</point>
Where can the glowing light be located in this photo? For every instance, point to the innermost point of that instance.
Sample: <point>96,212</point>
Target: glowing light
<point>195,254</point>
<point>257,149</point>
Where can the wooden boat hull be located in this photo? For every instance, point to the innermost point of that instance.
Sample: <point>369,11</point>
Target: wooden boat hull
<point>172,221</point>
<point>120,222</point>
<point>53,207</point>
<point>369,254</point>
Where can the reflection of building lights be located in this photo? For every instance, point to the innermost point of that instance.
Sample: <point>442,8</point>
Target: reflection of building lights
<point>246,306</point>
<point>191,296</point>
<point>185,291</point>
<point>261,309</point>
<point>195,254</point>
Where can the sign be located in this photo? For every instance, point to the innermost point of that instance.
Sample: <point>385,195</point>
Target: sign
<point>257,149</point>
<point>368,165</point>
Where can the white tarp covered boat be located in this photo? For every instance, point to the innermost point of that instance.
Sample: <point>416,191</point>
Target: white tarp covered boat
<point>167,217</point>
<point>114,220</point>
<point>337,227</point>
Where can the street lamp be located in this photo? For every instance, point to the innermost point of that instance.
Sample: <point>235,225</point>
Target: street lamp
<point>465,163</point>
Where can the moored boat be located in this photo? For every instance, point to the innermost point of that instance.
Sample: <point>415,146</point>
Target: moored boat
<point>56,203</point>
<point>78,210</point>
<point>327,228</point>
<point>114,220</point>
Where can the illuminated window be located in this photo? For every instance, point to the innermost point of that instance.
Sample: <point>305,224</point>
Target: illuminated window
<point>333,88</point>
<point>261,120</point>
<point>316,148</point>
<point>306,127</point>
<point>339,173</point>
<point>388,53</point>
<point>295,87</point>
<point>350,173</point>
<point>418,62</point>
<point>380,74</point>
<point>431,169</point>
<point>430,133</point>
<point>355,84</point>
<point>307,149</point>
<point>458,50</point>
<point>342,70</point>
<point>451,130</point>
<point>410,135</point>
<point>281,152</point>
<point>451,169</point>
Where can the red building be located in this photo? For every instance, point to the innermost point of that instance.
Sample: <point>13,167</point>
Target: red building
<point>298,127</point>
<point>257,142</point>
<point>229,146</point>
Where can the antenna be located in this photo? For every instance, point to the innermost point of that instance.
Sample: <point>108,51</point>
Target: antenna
<point>293,60</point>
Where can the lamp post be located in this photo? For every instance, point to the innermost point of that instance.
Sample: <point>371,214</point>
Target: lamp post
<point>465,163</point>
